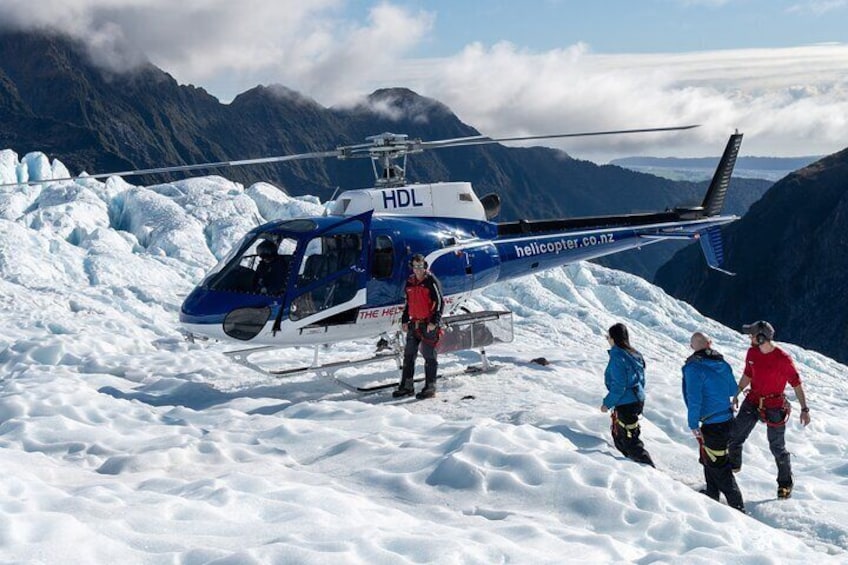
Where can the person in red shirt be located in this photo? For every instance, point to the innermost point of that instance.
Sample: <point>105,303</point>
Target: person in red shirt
<point>421,317</point>
<point>768,369</point>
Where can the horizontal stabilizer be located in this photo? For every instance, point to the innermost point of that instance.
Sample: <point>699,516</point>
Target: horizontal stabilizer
<point>714,200</point>
<point>713,248</point>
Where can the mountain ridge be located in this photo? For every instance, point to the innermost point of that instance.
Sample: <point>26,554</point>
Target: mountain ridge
<point>742,162</point>
<point>98,120</point>
<point>790,254</point>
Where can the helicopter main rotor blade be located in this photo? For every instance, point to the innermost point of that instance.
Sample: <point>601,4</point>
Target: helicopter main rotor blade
<point>482,140</point>
<point>180,168</point>
<point>385,146</point>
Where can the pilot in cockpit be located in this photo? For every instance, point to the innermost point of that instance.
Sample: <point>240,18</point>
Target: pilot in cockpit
<point>272,270</point>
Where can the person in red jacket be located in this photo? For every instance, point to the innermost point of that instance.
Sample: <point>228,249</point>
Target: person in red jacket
<point>768,369</point>
<point>420,321</point>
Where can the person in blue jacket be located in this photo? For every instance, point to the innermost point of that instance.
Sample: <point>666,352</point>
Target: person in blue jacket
<point>624,378</point>
<point>708,385</point>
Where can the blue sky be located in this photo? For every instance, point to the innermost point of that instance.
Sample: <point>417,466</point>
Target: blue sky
<point>775,70</point>
<point>635,26</point>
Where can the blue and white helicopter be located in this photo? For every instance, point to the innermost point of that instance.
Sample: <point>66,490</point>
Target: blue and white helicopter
<point>341,276</point>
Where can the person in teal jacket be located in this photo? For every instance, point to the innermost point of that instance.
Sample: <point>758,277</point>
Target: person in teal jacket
<point>708,385</point>
<point>624,378</point>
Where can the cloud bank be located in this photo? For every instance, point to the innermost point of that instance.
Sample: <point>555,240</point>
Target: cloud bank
<point>788,101</point>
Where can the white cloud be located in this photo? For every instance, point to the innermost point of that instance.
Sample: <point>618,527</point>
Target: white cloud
<point>307,46</point>
<point>364,53</point>
<point>817,7</point>
<point>789,101</point>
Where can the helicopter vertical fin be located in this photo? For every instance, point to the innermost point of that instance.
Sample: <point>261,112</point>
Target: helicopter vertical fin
<point>713,248</point>
<point>714,199</point>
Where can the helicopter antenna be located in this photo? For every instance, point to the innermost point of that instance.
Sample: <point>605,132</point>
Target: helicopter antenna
<point>327,203</point>
<point>383,150</point>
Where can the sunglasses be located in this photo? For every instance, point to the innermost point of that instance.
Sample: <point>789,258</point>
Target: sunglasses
<point>419,267</point>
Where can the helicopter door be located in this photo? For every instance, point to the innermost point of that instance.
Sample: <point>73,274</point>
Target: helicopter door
<point>332,272</point>
<point>383,287</point>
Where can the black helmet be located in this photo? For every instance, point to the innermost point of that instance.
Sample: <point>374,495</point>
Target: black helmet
<point>267,248</point>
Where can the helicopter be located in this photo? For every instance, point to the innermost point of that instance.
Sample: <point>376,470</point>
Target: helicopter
<point>342,275</point>
<point>314,281</point>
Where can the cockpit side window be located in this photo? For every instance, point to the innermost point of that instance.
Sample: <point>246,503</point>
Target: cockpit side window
<point>262,268</point>
<point>315,265</point>
<point>331,257</point>
<point>382,263</point>
<point>329,254</point>
<point>272,261</point>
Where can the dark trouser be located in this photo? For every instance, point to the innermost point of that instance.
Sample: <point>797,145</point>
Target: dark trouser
<point>744,423</point>
<point>717,470</point>
<point>419,338</point>
<point>626,431</point>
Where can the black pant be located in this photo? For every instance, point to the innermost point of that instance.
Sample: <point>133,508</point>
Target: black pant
<point>626,431</point>
<point>419,338</point>
<point>717,470</point>
<point>744,423</point>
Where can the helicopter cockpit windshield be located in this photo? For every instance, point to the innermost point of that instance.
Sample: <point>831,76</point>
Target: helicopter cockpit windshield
<point>308,266</point>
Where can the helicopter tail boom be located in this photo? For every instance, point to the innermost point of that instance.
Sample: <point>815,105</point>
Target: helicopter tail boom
<point>530,245</point>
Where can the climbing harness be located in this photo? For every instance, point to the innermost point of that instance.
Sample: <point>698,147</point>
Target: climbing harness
<point>616,424</point>
<point>762,410</point>
<point>708,453</point>
<point>420,329</point>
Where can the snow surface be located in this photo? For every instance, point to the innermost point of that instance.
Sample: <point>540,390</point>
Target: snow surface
<point>122,443</point>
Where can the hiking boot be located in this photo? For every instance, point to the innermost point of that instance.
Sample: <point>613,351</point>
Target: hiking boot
<point>784,492</point>
<point>402,392</point>
<point>426,392</point>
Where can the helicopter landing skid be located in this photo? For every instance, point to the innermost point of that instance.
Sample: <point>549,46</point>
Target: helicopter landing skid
<point>483,367</point>
<point>241,357</point>
<point>329,369</point>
